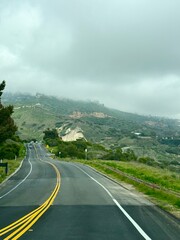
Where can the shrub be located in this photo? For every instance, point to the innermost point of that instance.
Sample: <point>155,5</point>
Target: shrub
<point>9,151</point>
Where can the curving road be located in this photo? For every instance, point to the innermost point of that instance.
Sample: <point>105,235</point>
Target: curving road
<point>50,199</point>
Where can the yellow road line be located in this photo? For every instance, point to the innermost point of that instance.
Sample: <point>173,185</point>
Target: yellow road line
<point>19,222</point>
<point>21,230</point>
<point>28,220</point>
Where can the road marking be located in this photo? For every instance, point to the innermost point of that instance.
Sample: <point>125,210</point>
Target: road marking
<point>132,221</point>
<point>139,229</point>
<point>25,223</point>
<point>19,182</point>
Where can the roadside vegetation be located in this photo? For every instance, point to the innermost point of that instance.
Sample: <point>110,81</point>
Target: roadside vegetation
<point>83,149</point>
<point>11,146</point>
<point>12,166</point>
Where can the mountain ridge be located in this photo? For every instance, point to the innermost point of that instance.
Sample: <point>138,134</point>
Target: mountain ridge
<point>146,135</point>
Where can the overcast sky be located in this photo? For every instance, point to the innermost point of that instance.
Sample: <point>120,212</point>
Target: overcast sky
<point>123,53</point>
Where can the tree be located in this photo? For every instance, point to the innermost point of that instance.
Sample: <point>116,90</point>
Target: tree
<point>50,133</point>
<point>7,125</point>
<point>2,86</point>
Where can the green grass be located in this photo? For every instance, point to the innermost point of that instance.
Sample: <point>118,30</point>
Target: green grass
<point>167,180</point>
<point>162,177</point>
<point>12,166</point>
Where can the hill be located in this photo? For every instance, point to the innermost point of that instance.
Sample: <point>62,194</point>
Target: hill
<point>146,135</point>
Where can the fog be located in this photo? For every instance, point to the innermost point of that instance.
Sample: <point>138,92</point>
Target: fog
<point>123,53</point>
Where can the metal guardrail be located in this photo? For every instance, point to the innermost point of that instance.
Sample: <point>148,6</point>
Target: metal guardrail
<point>151,185</point>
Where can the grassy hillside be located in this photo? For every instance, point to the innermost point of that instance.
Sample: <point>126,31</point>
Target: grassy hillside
<point>155,137</point>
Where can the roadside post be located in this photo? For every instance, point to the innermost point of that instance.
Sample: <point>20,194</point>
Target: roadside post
<point>5,165</point>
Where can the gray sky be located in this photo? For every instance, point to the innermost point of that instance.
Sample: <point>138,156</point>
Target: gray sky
<point>123,53</point>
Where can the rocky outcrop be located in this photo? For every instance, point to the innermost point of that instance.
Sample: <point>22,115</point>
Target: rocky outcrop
<point>73,134</point>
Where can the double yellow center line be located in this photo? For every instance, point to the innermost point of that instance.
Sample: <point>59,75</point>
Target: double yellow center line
<point>25,223</point>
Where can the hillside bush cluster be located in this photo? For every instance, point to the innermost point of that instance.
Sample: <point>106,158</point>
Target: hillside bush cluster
<point>75,149</point>
<point>119,155</point>
<point>79,149</point>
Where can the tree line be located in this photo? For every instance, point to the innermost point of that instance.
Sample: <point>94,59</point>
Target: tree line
<point>10,144</point>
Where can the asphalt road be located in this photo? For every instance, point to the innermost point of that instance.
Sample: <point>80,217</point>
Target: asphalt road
<point>78,204</point>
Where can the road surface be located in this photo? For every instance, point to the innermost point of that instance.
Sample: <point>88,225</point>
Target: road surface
<point>50,199</point>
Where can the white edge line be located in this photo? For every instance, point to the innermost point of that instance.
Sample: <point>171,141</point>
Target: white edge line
<point>139,229</point>
<point>132,220</point>
<point>19,182</point>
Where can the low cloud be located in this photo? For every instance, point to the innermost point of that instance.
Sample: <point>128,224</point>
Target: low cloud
<point>123,53</point>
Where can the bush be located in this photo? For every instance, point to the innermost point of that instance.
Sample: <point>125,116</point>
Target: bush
<point>9,151</point>
<point>147,160</point>
<point>51,142</point>
<point>74,149</point>
<point>118,155</point>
